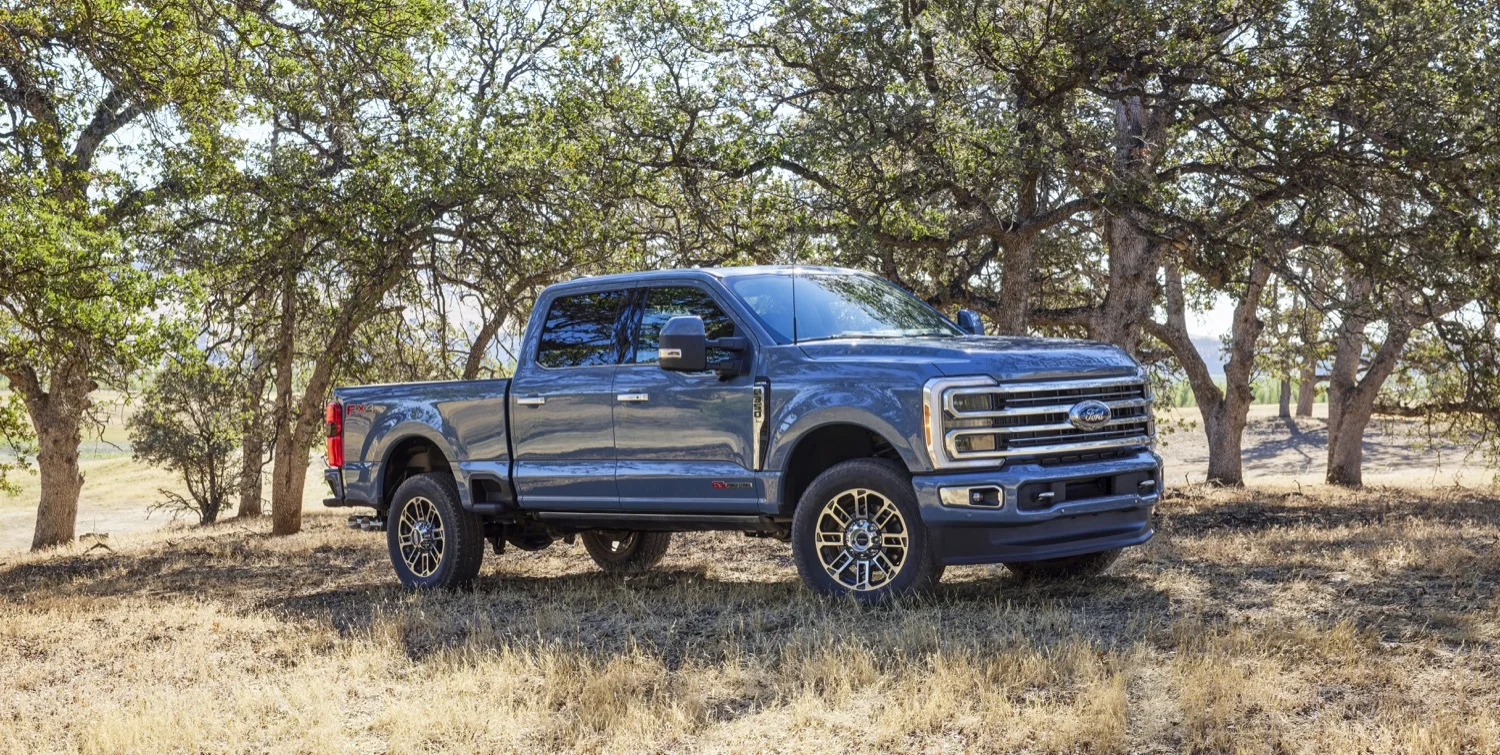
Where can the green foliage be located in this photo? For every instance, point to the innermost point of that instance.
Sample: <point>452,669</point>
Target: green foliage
<point>189,422</point>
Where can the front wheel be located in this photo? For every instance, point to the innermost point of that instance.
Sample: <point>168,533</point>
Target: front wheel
<point>434,542</point>
<point>858,531</point>
<point>626,551</point>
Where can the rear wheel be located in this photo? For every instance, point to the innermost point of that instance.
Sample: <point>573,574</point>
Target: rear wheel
<point>626,551</point>
<point>858,531</point>
<point>1071,567</point>
<point>433,540</point>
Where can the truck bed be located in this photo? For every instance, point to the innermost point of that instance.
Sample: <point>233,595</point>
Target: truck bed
<point>465,419</point>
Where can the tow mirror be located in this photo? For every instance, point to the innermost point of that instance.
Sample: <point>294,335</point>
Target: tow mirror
<point>970,322</point>
<point>682,345</point>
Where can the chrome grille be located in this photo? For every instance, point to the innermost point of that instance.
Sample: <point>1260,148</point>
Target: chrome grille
<point>978,421</point>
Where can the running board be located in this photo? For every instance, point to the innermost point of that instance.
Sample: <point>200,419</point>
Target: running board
<point>617,520</point>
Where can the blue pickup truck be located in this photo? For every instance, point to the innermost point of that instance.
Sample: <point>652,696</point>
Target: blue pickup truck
<point>823,407</point>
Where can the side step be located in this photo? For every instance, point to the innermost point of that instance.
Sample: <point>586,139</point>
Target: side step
<point>617,520</point>
<point>367,523</point>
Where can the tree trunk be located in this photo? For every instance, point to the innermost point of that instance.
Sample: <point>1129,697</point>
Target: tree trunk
<point>1225,412</point>
<point>286,479</point>
<point>1307,386</point>
<point>1133,262</point>
<point>58,437</point>
<point>253,448</point>
<point>1285,409</point>
<point>1015,286</point>
<point>57,416</point>
<point>1351,399</point>
<point>1134,256</point>
<point>482,340</point>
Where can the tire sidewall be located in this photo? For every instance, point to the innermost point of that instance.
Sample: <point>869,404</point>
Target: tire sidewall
<point>444,496</point>
<point>917,574</point>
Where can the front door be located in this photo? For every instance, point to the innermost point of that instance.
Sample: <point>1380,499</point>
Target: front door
<point>682,440</point>
<point>562,405</point>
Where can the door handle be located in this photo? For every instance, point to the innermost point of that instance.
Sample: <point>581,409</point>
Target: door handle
<point>531,400</point>
<point>631,397</point>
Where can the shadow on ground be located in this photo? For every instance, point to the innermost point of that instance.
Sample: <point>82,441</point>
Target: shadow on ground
<point>1395,564</point>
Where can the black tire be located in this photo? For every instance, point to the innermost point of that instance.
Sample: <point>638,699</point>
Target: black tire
<point>917,570</point>
<point>448,557</point>
<point>1071,567</point>
<point>626,551</point>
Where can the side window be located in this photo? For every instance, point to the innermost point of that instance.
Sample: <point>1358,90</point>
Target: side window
<point>663,304</point>
<point>580,330</point>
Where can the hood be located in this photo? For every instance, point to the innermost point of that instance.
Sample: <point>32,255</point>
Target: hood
<point>1001,357</point>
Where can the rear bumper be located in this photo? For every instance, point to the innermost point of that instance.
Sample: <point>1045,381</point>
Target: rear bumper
<point>1114,513</point>
<point>340,497</point>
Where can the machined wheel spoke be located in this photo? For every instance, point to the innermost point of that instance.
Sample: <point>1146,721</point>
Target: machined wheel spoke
<point>861,539</point>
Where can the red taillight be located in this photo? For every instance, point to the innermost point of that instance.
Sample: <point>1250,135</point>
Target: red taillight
<point>335,420</point>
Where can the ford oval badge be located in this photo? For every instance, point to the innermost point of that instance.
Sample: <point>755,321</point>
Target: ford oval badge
<point>1089,415</point>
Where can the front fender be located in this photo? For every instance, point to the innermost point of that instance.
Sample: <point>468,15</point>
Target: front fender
<point>895,412</point>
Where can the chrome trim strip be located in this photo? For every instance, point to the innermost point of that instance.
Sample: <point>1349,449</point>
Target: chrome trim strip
<point>932,403</point>
<point>1138,441</point>
<point>1044,428</point>
<point>757,422</point>
<point>1026,411</point>
<point>1071,385</point>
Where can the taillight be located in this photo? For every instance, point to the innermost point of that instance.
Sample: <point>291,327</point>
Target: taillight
<point>335,419</point>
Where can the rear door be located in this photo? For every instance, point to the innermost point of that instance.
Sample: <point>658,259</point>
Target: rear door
<point>562,405</point>
<point>683,440</point>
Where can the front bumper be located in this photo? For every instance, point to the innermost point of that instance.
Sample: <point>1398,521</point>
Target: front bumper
<point>1011,532</point>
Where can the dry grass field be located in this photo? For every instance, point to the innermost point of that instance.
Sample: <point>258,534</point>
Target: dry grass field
<point>1328,621</point>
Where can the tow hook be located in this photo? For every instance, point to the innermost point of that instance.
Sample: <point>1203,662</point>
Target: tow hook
<point>367,523</point>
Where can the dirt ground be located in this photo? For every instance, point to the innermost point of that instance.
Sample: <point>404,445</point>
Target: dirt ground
<point>1325,621</point>
<point>1290,452</point>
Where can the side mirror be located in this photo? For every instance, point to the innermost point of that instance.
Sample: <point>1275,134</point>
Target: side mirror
<point>682,345</point>
<point>969,322</point>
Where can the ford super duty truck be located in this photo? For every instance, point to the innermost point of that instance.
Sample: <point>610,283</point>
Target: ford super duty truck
<point>823,407</point>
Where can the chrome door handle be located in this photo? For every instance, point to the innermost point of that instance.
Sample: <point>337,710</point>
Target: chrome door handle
<point>631,397</point>
<point>531,400</point>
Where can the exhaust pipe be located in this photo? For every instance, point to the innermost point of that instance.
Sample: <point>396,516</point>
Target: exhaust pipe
<point>367,523</point>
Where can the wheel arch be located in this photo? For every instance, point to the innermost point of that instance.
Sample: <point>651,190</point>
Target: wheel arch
<point>825,445</point>
<point>417,451</point>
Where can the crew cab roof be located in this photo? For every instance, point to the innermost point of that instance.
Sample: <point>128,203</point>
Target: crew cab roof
<point>716,272</point>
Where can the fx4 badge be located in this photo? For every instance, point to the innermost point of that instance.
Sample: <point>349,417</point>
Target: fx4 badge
<point>722,485</point>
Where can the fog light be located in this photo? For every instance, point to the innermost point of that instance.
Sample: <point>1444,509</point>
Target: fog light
<point>986,497</point>
<point>974,443</point>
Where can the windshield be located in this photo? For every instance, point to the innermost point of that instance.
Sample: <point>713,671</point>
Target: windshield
<point>823,306</point>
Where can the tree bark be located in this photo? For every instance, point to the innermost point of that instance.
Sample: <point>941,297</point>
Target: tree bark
<point>1225,412</point>
<point>286,481</point>
<point>1351,399</point>
<point>1134,255</point>
<point>253,448</point>
<point>1015,285</point>
<point>58,438</point>
<point>1284,410</point>
<point>1307,386</point>
<point>486,335</point>
<point>56,414</point>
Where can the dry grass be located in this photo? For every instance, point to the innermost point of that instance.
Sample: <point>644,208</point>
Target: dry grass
<point>1332,622</point>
